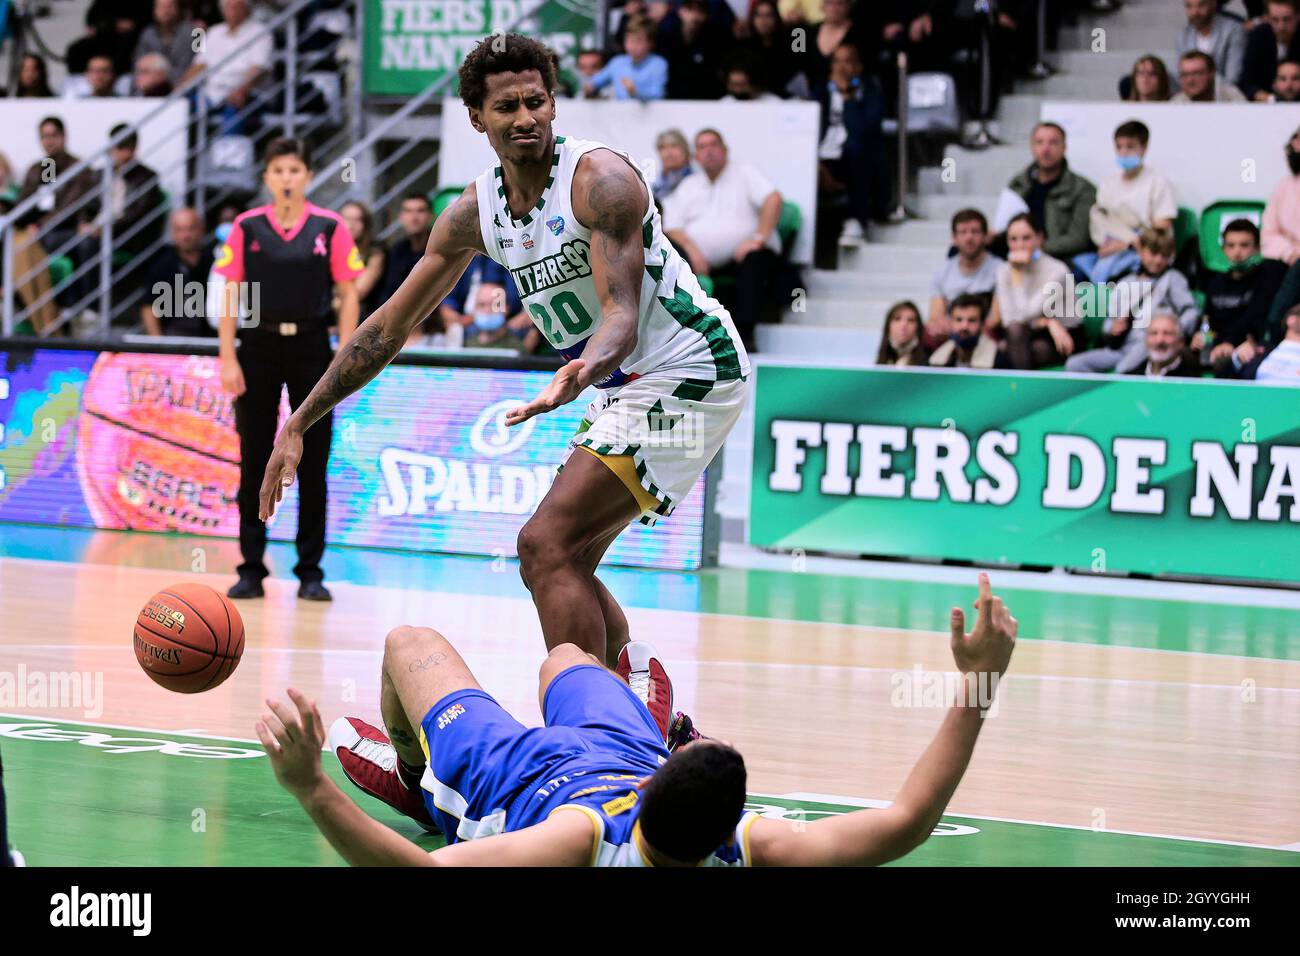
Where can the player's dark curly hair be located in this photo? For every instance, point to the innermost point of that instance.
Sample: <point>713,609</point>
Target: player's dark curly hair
<point>694,801</point>
<point>512,53</point>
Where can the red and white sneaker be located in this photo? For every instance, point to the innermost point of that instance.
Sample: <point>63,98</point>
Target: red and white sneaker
<point>639,667</point>
<point>370,762</point>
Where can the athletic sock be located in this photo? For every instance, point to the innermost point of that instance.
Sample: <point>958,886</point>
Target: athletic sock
<point>409,775</point>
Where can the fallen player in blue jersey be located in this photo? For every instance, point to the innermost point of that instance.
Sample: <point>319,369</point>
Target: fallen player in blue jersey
<point>596,785</point>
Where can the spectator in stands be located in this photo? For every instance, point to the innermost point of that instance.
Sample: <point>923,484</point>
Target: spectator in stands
<point>9,185</point>
<point>1165,355</point>
<point>632,10</point>
<point>96,81</point>
<point>231,83</point>
<point>836,28</point>
<point>361,224</point>
<point>1286,85</point>
<point>742,87</point>
<point>900,343</point>
<point>726,221</point>
<point>1281,231</point>
<point>674,163</point>
<point>638,73</point>
<point>1271,41</point>
<point>972,271</point>
<point>591,62</point>
<point>969,345</point>
<point>1237,302</point>
<point>694,48</point>
<point>1058,198</point>
<point>112,29</point>
<point>152,76</point>
<point>916,26</point>
<point>1218,36</point>
<point>472,318</point>
<point>1148,83</point>
<point>1028,283</point>
<point>1199,83</point>
<point>187,259</point>
<point>33,77</point>
<point>171,34</point>
<point>800,12</point>
<point>415,216</point>
<point>1281,366</point>
<point>769,46</point>
<point>60,191</point>
<point>1153,288</point>
<point>1133,199</point>
<point>852,160</point>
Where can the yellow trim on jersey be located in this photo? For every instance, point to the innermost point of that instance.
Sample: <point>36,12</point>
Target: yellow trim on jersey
<point>424,744</point>
<point>598,826</point>
<point>744,839</point>
<point>624,468</point>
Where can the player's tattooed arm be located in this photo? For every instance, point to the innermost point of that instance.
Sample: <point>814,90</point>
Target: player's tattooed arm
<point>610,199</point>
<point>454,240</point>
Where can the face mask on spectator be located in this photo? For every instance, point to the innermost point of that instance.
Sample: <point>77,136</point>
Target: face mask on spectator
<point>489,321</point>
<point>1249,264</point>
<point>966,342</point>
<point>1293,160</point>
<point>1128,161</point>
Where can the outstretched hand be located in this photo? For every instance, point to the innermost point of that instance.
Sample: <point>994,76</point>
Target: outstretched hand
<point>293,741</point>
<point>564,388</point>
<point>987,649</point>
<point>280,471</point>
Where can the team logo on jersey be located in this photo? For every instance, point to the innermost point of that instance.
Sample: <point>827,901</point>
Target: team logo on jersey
<point>619,805</point>
<point>528,242</point>
<point>450,714</point>
<point>354,260</point>
<point>556,225</point>
<point>226,256</point>
<point>255,247</point>
<point>506,243</point>
<point>319,248</point>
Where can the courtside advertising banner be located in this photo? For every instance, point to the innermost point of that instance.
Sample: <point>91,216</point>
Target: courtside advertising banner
<point>421,458</point>
<point>411,44</point>
<point>1107,474</point>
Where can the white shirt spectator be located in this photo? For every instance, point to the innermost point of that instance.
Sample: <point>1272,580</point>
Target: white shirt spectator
<point>220,43</point>
<point>1126,205</point>
<point>1282,365</point>
<point>950,280</point>
<point>720,215</point>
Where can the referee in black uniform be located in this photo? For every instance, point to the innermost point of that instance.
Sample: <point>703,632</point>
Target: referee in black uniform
<point>282,262</point>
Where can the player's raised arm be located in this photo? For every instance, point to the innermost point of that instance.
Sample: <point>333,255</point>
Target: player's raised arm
<point>871,837</point>
<point>456,236</point>
<point>609,199</point>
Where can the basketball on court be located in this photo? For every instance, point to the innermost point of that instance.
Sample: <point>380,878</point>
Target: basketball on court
<point>188,638</point>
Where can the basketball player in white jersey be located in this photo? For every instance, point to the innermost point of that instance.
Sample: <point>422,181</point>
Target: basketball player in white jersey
<point>576,225</point>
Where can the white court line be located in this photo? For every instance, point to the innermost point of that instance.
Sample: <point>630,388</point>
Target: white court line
<point>808,796</point>
<point>745,557</point>
<point>876,804</point>
<point>884,628</point>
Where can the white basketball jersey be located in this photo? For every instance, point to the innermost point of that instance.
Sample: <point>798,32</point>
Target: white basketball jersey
<point>682,331</point>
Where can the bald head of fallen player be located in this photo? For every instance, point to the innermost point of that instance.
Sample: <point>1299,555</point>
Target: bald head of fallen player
<point>507,83</point>
<point>691,805</point>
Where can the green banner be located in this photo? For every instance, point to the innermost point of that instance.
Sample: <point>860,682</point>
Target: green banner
<point>1108,474</point>
<point>410,44</point>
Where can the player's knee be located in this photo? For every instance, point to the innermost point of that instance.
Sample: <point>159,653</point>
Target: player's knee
<point>563,656</point>
<point>537,551</point>
<point>406,639</point>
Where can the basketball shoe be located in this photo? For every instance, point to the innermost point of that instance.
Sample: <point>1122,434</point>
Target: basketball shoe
<point>370,762</point>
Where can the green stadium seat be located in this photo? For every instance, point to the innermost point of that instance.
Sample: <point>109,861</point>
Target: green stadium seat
<point>60,268</point>
<point>787,227</point>
<point>1214,218</point>
<point>1185,227</point>
<point>444,197</point>
<point>1093,303</point>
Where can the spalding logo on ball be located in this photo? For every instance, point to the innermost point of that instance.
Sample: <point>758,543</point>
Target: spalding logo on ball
<point>189,638</point>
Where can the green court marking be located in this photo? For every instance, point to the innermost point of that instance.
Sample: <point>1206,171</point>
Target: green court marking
<point>1207,626</point>
<point>87,795</point>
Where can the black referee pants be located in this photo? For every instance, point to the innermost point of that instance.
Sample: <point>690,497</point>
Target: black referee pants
<point>269,363</point>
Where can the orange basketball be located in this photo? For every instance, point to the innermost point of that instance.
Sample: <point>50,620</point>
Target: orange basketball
<point>189,638</point>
